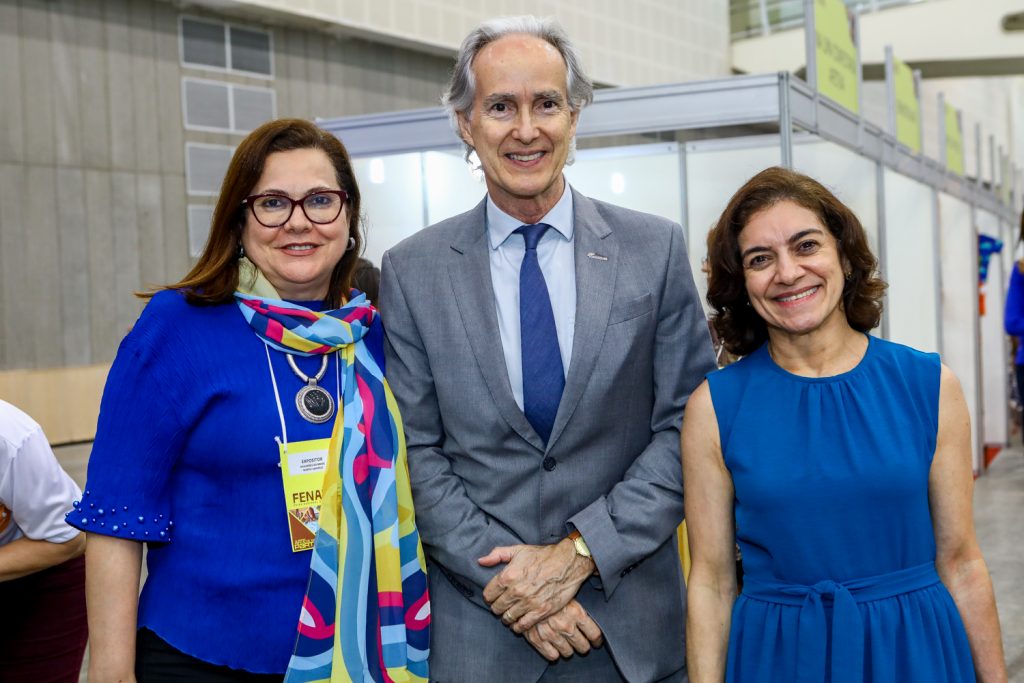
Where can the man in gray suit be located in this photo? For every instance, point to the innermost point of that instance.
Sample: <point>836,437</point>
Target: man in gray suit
<point>541,348</point>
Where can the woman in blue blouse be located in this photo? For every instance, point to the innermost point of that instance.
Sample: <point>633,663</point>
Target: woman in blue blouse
<point>214,447</point>
<point>1014,318</point>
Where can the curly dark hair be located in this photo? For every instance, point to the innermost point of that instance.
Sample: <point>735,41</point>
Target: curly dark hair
<point>738,325</point>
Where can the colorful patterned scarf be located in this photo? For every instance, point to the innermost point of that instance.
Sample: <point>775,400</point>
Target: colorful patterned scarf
<point>366,613</point>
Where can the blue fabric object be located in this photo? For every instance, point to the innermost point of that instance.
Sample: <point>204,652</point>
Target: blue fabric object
<point>832,516</point>
<point>543,376</point>
<point>186,443</point>
<point>987,246</point>
<point>1013,320</point>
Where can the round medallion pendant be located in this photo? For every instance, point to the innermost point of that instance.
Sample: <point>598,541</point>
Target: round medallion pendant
<point>315,404</point>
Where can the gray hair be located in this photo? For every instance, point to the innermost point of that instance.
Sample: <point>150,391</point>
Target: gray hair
<point>458,98</point>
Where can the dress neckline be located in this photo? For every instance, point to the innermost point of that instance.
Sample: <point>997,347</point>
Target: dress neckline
<point>856,369</point>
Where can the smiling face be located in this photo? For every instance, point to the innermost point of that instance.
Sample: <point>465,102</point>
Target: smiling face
<point>298,257</point>
<point>521,125</point>
<point>793,270</point>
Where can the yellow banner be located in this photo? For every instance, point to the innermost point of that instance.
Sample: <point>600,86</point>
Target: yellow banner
<point>908,109</point>
<point>836,56</point>
<point>954,142</point>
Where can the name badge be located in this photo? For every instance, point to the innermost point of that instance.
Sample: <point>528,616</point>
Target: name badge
<point>302,469</point>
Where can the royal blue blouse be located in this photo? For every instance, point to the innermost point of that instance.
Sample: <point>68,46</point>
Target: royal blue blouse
<point>1013,320</point>
<point>186,460</point>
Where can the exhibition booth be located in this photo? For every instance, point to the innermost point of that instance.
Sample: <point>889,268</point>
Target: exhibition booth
<point>682,150</point>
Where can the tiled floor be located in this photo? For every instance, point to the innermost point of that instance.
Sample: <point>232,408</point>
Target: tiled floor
<point>998,510</point>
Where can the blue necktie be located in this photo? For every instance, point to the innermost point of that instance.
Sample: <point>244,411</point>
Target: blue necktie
<point>543,377</point>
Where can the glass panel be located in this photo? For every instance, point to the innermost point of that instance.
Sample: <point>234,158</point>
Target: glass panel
<point>205,166</point>
<point>250,50</point>
<point>252,107</point>
<point>745,15</point>
<point>206,105</point>
<point>203,43</point>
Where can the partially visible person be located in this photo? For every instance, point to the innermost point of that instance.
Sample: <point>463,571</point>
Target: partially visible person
<point>840,461</point>
<point>245,396</point>
<point>366,279</point>
<point>1013,321</point>
<point>43,626</point>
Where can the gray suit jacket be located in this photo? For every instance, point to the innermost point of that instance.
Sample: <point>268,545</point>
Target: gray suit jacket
<point>481,477</point>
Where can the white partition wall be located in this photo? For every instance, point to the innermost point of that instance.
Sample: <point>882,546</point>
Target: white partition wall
<point>715,169</point>
<point>450,185</point>
<point>910,263</point>
<point>391,192</point>
<point>411,171</point>
<point>404,193</point>
<point>994,350</point>
<point>958,249</point>
<point>641,177</point>
<point>851,177</point>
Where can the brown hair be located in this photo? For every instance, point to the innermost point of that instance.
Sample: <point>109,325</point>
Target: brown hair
<point>366,278</point>
<point>738,325</point>
<point>214,278</point>
<point>1020,236</point>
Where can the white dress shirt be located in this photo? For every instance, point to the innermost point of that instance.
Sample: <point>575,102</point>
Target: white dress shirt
<point>557,263</point>
<point>34,491</point>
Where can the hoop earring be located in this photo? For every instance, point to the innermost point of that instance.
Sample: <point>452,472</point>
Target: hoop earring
<point>351,244</point>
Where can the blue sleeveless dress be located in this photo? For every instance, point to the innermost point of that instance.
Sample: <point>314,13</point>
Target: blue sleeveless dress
<point>832,516</point>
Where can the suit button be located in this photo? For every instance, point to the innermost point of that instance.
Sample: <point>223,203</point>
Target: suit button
<point>549,463</point>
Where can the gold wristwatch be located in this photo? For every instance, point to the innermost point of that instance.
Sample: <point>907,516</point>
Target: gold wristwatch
<point>581,546</point>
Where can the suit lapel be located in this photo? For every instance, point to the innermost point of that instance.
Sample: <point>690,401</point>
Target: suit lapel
<point>470,271</point>
<point>595,284</point>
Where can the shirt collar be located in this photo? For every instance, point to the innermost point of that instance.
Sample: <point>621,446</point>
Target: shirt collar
<point>500,225</point>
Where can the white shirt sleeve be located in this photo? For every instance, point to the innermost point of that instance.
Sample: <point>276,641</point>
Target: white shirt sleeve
<point>34,489</point>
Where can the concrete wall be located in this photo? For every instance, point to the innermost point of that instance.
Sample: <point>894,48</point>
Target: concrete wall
<point>92,168</point>
<point>640,42</point>
<point>92,177</point>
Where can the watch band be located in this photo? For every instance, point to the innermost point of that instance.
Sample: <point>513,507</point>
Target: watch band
<point>581,546</point>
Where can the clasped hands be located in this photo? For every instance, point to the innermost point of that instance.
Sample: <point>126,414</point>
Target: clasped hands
<point>535,596</point>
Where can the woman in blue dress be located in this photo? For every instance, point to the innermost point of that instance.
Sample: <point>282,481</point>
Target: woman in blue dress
<point>840,462</point>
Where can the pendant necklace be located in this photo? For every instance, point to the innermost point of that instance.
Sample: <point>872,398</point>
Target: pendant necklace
<point>313,401</point>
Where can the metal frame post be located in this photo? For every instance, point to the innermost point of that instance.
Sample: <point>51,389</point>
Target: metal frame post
<point>890,92</point>
<point>920,112</point>
<point>943,152</point>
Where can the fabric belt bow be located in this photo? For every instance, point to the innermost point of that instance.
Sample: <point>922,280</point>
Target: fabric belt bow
<point>847,625</point>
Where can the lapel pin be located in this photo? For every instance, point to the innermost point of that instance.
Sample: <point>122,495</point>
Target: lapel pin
<point>596,256</point>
